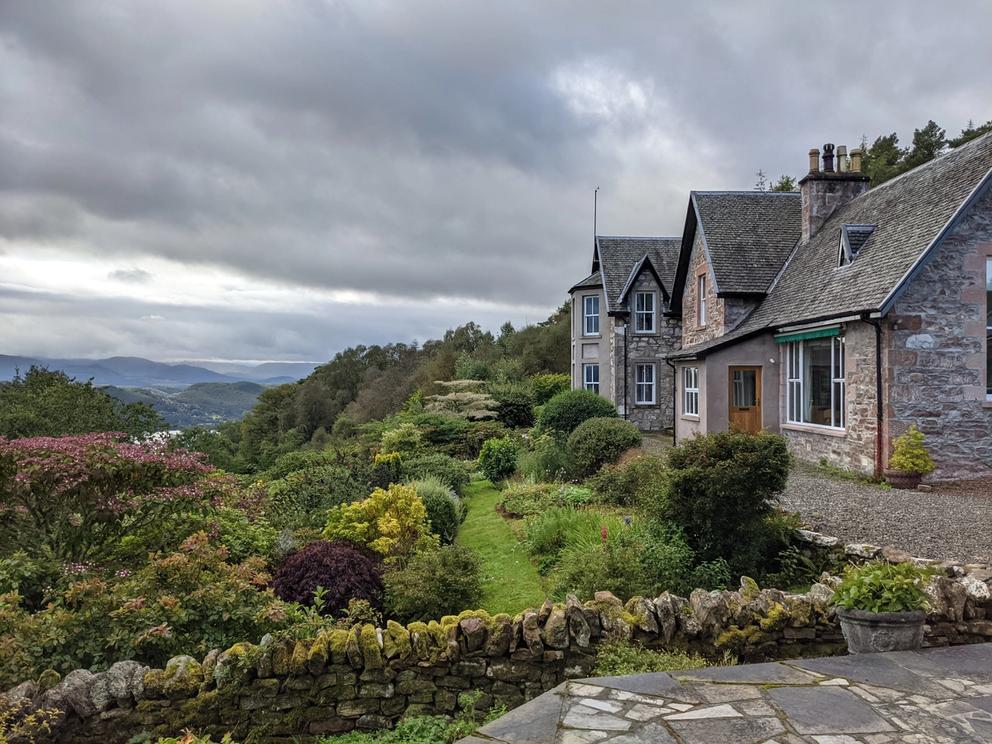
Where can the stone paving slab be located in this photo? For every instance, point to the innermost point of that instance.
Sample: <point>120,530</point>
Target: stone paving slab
<point>942,696</point>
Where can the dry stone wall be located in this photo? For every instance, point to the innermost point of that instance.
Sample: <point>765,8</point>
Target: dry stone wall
<point>284,690</point>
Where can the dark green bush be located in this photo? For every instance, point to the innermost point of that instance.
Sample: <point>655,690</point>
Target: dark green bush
<point>637,480</point>
<point>444,467</point>
<point>547,386</point>
<point>565,411</point>
<point>546,460</point>
<point>445,510</point>
<point>434,583</point>
<point>476,435</point>
<point>498,459</point>
<point>302,498</point>
<point>599,441</point>
<point>444,431</point>
<point>514,405</point>
<point>300,460</point>
<point>722,489</point>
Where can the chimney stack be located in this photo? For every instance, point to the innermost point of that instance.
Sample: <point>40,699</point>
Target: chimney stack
<point>824,191</point>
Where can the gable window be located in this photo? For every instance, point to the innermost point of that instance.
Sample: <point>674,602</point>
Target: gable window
<point>644,312</point>
<point>644,386</point>
<point>690,391</point>
<point>590,315</point>
<point>590,377</point>
<point>815,386</point>
<point>988,329</point>
<point>701,300</point>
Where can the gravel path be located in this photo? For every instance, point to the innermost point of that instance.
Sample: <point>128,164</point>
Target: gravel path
<point>952,522</point>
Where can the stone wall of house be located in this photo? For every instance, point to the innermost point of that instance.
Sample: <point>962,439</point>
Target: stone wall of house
<point>648,348</point>
<point>284,690</point>
<point>936,351</point>
<point>854,448</point>
<point>692,333</point>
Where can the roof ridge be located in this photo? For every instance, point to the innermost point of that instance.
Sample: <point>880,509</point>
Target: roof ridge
<point>639,237</point>
<point>742,192</point>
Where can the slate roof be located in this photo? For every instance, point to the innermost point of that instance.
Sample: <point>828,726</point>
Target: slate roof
<point>619,255</point>
<point>911,212</point>
<point>749,235</point>
<point>595,279</point>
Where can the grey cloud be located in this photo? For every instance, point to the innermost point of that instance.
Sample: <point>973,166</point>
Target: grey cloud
<point>131,276</point>
<point>438,149</point>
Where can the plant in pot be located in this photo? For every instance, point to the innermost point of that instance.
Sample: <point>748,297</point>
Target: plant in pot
<point>882,606</point>
<point>910,460</point>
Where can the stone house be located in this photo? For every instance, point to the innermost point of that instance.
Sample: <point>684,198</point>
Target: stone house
<point>622,327</point>
<point>841,315</point>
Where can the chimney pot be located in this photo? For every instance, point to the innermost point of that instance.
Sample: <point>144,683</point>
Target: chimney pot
<point>828,158</point>
<point>814,161</point>
<point>856,160</point>
<point>843,164</point>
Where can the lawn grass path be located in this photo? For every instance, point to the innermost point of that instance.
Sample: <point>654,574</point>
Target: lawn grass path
<point>510,582</point>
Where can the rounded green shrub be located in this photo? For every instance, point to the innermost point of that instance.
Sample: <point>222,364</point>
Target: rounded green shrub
<point>444,467</point>
<point>637,480</point>
<point>299,460</point>
<point>565,411</point>
<point>598,441</point>
<point>434,583</point>
<point>445,511</point>
<point>498,459</point>
<point>547,386</point>
<point>721,489</point>
<point>302,498</point>
<point>910,455</point>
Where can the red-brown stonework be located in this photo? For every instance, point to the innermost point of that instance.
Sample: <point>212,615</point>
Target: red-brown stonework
<point>692,333</point>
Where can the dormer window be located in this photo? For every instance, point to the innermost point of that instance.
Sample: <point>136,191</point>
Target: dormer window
<point>852,238</point>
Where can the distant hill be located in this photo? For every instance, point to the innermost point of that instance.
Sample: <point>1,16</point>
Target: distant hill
<point>200,404</point>
<point>136,372</point>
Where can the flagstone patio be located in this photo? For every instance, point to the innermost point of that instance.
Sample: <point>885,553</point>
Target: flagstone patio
<point>915,697</point>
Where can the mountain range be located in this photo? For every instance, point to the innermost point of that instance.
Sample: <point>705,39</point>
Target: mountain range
<point>136,372</point>
<point>201,404</point>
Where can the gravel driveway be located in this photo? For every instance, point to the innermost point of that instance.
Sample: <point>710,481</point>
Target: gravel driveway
<point>952,522</point>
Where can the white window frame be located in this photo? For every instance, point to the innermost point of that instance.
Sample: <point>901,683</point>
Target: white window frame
<point>588,383</point>
<point>988,325</point>
<point>690,391</point>
<point>701,300</point>
<point>645,389</point>
<point>795,384</point>
<point>590,318</point>
<point>644,317</point>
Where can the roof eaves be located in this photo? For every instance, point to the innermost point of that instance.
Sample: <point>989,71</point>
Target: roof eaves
<point>946,230</point>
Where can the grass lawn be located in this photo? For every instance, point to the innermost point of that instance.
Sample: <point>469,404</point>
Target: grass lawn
<point>510,582</point>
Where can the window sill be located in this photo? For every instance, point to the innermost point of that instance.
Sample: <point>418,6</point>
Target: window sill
<point>645,333</point>
<point>690,416</point>
<point>987,404</point>
<point>598,335</point>
<point>828,431</point>
<point>645,405</point>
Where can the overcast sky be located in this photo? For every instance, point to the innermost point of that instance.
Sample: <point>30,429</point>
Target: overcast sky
<point>198,179</point>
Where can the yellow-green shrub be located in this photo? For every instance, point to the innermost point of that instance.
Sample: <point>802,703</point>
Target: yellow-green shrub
<point>392,522</point>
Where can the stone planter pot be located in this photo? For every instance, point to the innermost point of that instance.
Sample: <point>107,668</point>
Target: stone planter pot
<point>873,632</point>
<point>902,478</point>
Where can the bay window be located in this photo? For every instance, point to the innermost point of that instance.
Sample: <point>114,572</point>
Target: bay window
<point>815,387</point>
<point>644,312</point>
<point>690,391</point>
<point>590,315</point>
<point>644,387</point>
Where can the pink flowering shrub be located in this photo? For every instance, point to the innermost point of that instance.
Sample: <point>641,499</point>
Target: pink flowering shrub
<point>71,499</point>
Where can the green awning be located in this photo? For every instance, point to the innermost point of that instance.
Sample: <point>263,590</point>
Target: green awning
<point>785,338</point>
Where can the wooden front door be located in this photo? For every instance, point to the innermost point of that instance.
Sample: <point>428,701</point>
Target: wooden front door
<point>745,399</point>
